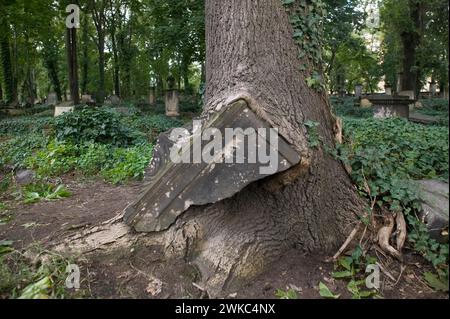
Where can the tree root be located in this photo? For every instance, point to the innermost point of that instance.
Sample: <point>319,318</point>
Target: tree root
<point>401,230</point>
<point>384,235</point>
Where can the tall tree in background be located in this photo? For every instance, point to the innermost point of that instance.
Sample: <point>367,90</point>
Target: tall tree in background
<point>9,85</point>
<point>98,10</point>
<point>84,54</point>
<point>72,61</point>
<point>405,19</point>
<point>50,53</point>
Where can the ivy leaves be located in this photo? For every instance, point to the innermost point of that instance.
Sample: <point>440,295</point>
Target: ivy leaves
<point>306,17</point>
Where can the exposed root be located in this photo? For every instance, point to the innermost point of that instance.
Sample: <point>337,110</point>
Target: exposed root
<point>401,231</point>
<point>109,235</point>
<point>384,235</point>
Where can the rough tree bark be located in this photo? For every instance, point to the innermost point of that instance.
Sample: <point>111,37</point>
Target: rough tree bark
<point>410,42</point>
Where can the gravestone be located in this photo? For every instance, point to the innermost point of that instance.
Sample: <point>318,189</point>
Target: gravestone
<point>86,99</point>
<point>387,106</point>
<point>59,110</point>
<point>173,187</point>
<point>434,199</point>
<point>172,103</point>
<point>172,99</point>
<point>433,88</point>
<point>388,90</point>
<point>358,90</point>
<point>112,100</point>
<point>52,99</point>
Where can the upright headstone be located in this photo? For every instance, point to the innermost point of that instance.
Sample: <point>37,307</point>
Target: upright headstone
<point>60,110</point>
<point>358,90</point>
<point>52,99</point>
<point>172,99</point>
<point>433,88</point>
<point>172,103</point>
<point>387,90</point>
<point>152,96</point>
<point>86,98</point>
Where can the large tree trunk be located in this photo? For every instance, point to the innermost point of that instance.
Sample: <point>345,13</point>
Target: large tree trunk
<point>85,56</point>
<point>252,58</point>
<point>253,61</point>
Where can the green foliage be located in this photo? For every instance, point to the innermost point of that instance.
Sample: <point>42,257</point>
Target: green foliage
<point>345,107</point>
<point>127,164</point>
<point>313,134</point>
<point>306,18</point>
<point>288,294</point>
<point>153,125</point>
<point>385,154</point>
<point>431,250</point>
<point>23,125</point>
<point>21,278</point>
<point>90,159</point>
<point>15,151</point>
<point>33,193</point>
<point>353,268</point>
<point>326,293</point>
<point>99,125</point>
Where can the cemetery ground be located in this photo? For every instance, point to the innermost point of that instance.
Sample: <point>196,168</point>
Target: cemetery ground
<point>65,175</point>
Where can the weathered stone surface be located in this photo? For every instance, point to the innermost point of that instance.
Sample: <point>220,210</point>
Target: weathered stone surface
<point>52,99</point>
<point>173,188</point>
<point>112,100</point>
<point>423,119</point>
<point>386,106</point>
<point>25,177</point>
<point>172,103</point>
<point>365,103</point>
<point>87,98</point>
<point>59,110</point>
<point>434,197</point>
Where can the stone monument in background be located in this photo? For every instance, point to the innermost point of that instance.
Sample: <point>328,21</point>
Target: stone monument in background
<point>172,99</point>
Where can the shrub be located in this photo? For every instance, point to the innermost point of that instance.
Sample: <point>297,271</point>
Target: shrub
<point>15,151</point>
<point>387,153</point>
<point>345,107</point>
<point>24,125</point>
<point>114,164</point>
<point>95,125</point>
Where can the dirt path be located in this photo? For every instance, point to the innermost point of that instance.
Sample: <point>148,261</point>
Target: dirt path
<point>142,272</point>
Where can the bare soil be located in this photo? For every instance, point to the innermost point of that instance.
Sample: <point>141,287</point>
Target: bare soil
<point>142,271</point>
